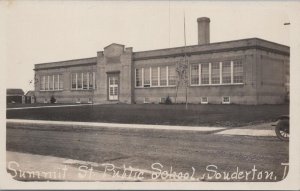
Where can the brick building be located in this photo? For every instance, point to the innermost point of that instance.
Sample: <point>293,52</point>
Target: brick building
<point>247,71</point>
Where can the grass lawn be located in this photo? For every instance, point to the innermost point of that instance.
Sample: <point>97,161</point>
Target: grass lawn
<point>196,115</point>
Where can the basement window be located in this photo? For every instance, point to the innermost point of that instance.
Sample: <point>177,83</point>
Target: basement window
<point>90,100</point>
<point>162,100</point>
<point>204,100</point>
<point>78,100</point>
<point>146,100</point>
<point>225,100</point>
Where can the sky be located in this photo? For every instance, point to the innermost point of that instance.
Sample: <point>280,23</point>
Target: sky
<point>48,31</point>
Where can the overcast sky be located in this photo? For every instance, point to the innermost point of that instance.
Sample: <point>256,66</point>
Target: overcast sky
<point>38,32</point>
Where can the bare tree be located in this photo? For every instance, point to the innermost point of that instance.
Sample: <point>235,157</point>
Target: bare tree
<point>182,77</point>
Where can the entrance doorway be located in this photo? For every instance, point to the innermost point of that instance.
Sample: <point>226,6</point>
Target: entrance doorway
<point>113,87</point>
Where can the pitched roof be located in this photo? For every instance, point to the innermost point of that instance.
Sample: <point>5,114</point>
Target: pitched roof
<point>30,93</point>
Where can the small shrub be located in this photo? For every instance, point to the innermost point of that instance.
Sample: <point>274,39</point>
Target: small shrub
<point>168,100</point>
<point>52,99</point>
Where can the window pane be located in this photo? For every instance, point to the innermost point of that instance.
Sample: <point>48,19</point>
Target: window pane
<point>42,82</point>
<point>74,81</point>
<point>215,73</point>
<point>195,74</point>
<point>172,75</point>
<point>226,72</point>
<point>50,82</point>
<point>61,82</point>
<point>46,82</point>
<point>163,76</point>
<point>205,73</point>
<point>56,82</point>
<point>91,80</point>
<point>146,77</point>
<point>154,77</point>
<point>238,72</point>
<point>85,81</point>
<point>138,77</point>
<point>79,80</point>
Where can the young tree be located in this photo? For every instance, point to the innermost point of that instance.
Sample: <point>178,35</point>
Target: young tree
<point>182,77</point>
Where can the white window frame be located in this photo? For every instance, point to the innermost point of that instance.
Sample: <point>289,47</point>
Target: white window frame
<point>226,102</point>
<point>46,86</point>
<point>158,76</point>
<point>162,100</point>
<point>147,100</point>
<point>233,72</point>
<point>231,65</point>
<point>221,70</point>
<point>81,82</point>
<point>94,81</point>
<point>204,102</point>
<point>167,73</point>
<point>210,74</point>
<point>200,75</point>
<point>191,66</point>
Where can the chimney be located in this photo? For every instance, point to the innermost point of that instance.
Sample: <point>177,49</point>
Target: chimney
<point>203,30</point>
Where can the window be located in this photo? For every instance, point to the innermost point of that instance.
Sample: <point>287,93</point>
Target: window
<point>162,100</point>
<point>138,77</point>
<point>61,83</point>
<point>205,73</point>
<point>74,81</point>
<point>79,81</point>
<point>146,100</point>
<point>154,76</point>
<point>91,80</point>
<point>46,82</point>
<point>90,100</point>
<point>204,100</point>
<point>163,76</point>
<point>226,72</point>
<point>225,100</point>
<point>146,77</point>
<point>51,82</point>
<point>78,100</point>
<point>237,72</point>
<point>195,74</point>
<point>171,76</point>
<point>56,82</point>
<point>43,82</point>
<point>83,81</point>
<point>215,73</point>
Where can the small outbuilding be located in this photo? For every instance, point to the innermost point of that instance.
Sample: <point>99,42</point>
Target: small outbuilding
<point>30,97</point>
<point>15,96</point>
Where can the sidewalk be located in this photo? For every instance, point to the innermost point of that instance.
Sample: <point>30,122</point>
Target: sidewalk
<point>264,129</point>
<point>113,125</point>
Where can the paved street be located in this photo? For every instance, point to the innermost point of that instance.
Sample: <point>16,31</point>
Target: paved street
<point>153,154</point>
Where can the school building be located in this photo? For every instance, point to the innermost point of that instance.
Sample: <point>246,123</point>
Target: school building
<point>247,71</point>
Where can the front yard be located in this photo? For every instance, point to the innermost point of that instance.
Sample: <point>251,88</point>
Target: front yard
<point>196,115</point>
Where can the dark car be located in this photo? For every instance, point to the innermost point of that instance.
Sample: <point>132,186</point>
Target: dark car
<point>282,128</point>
